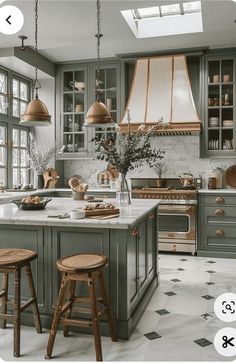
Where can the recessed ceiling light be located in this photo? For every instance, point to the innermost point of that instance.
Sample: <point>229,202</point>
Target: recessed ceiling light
<point>165,19</point>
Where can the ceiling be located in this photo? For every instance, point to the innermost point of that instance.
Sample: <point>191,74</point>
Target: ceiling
<point>67,28</point>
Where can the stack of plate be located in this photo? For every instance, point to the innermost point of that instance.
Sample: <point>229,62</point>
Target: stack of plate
<point>213,144</point>
<point>213,121</point>
<point>227,123</point>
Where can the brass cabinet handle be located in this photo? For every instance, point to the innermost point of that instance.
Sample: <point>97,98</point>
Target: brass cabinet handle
<point>134,231</point>
<point>220,232</point>
<point>151,216</point>
<point>219,212</point>
<point>220,199</point>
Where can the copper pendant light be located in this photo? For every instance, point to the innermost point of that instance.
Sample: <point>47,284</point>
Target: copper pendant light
<point>36,113</point>
<point>98,114</point>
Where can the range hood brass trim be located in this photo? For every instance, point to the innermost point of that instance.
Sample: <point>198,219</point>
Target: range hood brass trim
<point>169,129</point>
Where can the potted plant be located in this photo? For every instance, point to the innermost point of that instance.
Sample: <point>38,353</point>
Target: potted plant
<point>127,151</point>
<point>160,169</point>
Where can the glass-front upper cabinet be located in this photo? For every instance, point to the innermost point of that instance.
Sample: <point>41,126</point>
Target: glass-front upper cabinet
<point>220,128</point>
<point>3,92</point>
<point>74,109</point>
<point>109,76</point>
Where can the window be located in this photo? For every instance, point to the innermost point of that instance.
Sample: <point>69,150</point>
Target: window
<point>165,19</point>
<point>14,96</point>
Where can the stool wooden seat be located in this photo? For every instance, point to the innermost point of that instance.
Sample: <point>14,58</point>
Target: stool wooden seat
<point>11,261</point>
<point>87,268</point>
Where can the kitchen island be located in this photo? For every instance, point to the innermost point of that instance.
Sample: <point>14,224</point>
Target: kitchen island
<point>129,241</point>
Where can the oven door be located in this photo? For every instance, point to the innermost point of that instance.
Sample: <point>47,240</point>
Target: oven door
<point>176,223</point>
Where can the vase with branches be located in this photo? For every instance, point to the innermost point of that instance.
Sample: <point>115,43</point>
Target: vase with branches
<point>39,157</point>
<point>126,151</point>
<point>160,168</point>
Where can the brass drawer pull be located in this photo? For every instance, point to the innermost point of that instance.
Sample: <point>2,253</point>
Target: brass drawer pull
<point>220,199</point>
<point>151,216</point>
<point>219,212</point>
<point>220,232</point>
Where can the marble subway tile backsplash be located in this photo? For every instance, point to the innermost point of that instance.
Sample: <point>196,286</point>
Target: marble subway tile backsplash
<point>181,156</point>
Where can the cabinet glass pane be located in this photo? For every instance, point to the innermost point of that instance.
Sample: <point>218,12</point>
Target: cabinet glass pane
<point>15,176</point>
<point>227,67</point>
<point>79,142</point>
<point>214,72</point>
<point>68,81</point>
<point>16,108</point>
<point>69,142</point>
<point>111,80</point>
<point>79,77</point>
<point>3,160</point>
<point>227,139</point>
<point>23,177</point>
<point>227,95</point>
<point>68,102</point>
<point>24,91</point>
<point>22,107</point>
<point>15,88</point>
<point>79,122</point>
<point>214,141</point>
<point>68,123</point>
<point>79,102</point>
<point>102,78</point>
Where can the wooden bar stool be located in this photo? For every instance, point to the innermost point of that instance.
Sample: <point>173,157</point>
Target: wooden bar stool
<point>11,261</point>
<point>87,268</point>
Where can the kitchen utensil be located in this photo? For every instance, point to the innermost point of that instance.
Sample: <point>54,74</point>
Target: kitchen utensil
<point>230,176</point>
<point>187,180</point>
<point>74,184</point>
<point>31,206</point>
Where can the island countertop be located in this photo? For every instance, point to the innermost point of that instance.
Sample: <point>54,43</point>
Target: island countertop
<point>10,214</point>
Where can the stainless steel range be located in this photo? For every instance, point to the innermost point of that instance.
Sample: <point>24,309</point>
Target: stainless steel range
<point>177,212</point>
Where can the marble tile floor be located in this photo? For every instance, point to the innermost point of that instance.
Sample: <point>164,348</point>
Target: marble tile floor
<point>179,323</point>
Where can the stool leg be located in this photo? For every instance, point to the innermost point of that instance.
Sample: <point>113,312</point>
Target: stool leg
<point>56,317</point>
<point>4,298</point>
<point>108,307</point>
<point>96,329</point>
<point>71,293</point>
<point>16,320</point>
<point>35,308</point>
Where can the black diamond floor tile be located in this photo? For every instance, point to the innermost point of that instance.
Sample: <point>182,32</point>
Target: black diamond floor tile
<point>175,280</point>
<point>211,261</point>
<point>152,335</point>
<point>183,260</point>
<point>180,269</point>
<point>203,342</point>
<point>208,297</point>
<point>205,316</point>
<point>162,312</point>
<point>209,283</point>
<point>211,271</point>
<point>170,293</point>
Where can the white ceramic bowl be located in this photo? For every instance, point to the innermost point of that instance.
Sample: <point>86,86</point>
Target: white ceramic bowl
<point>77,214</point>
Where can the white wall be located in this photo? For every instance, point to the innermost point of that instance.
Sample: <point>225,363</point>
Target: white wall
<point>182,155</point>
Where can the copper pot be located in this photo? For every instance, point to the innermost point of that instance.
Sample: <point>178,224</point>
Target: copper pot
<point>187,181</point>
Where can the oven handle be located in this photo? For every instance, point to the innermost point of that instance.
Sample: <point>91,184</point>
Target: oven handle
<point>176,210</point>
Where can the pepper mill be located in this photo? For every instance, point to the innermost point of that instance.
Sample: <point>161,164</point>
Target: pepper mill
<point>212,183</point>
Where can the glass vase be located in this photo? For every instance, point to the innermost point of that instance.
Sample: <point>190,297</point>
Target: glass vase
<point>123,194</point>
<point>39,181</point>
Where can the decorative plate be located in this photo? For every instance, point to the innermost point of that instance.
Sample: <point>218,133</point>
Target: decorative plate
<point>230,176</point>
<point>31,206</point>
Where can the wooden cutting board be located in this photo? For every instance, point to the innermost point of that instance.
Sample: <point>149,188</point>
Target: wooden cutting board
<point>101,212</point>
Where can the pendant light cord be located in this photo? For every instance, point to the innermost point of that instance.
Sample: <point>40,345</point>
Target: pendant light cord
<point>98,36</point>
<point>36,82</point>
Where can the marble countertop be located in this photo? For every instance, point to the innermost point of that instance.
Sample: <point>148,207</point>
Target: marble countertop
<point>10,214</point>
<point>219,190</point>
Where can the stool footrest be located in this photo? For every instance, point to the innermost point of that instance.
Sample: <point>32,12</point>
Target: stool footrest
<point>6,316</point>
<point>76,322</point>
<point>27,304</point>
<point>3,293</point>
<point>86,299</point>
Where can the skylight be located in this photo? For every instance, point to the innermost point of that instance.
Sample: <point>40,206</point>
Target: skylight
<point>178,18</point>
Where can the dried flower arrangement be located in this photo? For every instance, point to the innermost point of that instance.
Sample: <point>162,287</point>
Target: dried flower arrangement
<point>39,158</point>
<point>127,151</point>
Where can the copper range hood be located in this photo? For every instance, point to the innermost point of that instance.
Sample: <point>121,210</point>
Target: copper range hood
<point>161,90</point>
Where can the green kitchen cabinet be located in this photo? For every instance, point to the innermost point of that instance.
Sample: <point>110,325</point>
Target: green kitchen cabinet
<point>76,85</point>
<point>219,127</point>
<point>217,224</point>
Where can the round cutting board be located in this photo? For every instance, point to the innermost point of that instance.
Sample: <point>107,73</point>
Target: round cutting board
<point>230,176</point>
